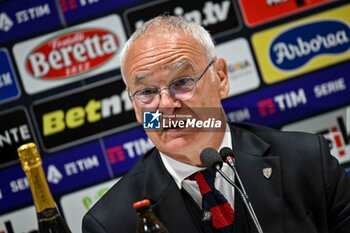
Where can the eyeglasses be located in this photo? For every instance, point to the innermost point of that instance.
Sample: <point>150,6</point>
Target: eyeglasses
<point>181,88</point>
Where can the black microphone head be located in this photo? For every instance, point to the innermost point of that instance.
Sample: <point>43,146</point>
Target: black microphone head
<point>211,159</point>
<point>225,152</point>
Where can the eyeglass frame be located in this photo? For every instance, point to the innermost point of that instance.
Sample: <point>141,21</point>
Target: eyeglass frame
<point>159,90</point>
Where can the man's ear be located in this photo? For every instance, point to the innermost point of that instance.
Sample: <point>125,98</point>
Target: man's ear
<point>222,73</point>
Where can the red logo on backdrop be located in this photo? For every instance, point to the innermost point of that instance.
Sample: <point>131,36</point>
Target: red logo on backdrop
<point>72,54</point>
<point>260,11</point>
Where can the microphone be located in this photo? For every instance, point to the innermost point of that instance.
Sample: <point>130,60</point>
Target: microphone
<point>212,160</point>
<point>226,154</point>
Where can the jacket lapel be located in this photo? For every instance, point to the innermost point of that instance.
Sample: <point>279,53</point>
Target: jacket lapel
<point>169,204</point>
<point>260,173</point>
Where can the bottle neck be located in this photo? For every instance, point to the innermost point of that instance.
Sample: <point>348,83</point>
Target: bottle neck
<point>144,210</point>
<point>39,187</point>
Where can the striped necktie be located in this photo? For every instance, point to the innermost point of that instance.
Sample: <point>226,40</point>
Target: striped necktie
<point>222,214</point>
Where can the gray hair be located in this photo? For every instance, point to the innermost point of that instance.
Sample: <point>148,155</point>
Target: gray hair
<point>165,24</point>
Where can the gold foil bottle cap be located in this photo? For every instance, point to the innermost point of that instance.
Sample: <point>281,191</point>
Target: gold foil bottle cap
<point>29,156</point>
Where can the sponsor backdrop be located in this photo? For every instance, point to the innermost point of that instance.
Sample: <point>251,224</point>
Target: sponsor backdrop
<point>60,86</point>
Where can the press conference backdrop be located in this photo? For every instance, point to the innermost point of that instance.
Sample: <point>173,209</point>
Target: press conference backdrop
<point>60,86</point>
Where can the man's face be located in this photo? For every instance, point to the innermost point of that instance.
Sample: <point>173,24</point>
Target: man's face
<point>155,61</point>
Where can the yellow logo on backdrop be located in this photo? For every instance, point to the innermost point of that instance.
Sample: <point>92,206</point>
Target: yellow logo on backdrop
<point>304,45</point>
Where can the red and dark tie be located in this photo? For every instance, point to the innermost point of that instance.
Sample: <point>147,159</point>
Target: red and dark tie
<point>222,214</point>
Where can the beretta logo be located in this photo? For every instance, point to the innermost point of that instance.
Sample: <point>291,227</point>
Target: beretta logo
<point>294,48</point>
<point>72,54</point>
<point>65,56</point>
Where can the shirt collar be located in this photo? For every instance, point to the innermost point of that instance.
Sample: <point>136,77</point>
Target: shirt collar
<point>179,170</point>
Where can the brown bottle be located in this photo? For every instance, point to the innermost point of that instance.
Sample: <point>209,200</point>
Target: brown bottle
<point>48,216</point>
<point>147,221</point>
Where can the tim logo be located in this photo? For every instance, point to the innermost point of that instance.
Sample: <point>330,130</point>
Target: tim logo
<point>151,120</point>
<point>296,47</point>
<point>282,102</point>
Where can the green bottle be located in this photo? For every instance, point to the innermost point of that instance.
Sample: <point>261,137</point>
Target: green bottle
<point>48,216</point>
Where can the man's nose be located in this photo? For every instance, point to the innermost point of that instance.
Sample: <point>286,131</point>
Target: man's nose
<point>167,103</point>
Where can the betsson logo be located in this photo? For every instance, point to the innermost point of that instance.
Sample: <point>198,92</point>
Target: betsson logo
<point>294,48</point>
<point>72,54</point>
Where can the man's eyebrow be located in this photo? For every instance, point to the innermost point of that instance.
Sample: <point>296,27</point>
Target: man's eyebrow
<point>139,77</point>
<point>181,65</point>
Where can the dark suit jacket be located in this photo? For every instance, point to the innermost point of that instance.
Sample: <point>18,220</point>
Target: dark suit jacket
<point>308,191</point>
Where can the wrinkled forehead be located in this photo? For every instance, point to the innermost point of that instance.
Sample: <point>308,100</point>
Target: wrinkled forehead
<point>155,39</point>
<point>149,54</point>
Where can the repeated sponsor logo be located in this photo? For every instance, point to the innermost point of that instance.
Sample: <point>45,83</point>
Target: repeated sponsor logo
<point>286,53</point>
<point>65,171</point>
<point>78,9</point>
<point>19,221</point>
<point>6,22</point>
<point>50,60</point>
<point>219,17</point>
<point>266,10</point>
<point>8,82</point>
<point>19,19</point>
<point>66,56</point>
<point>75,205</point>
<point>290,101</point>
<point>335,126</point>
<point>282,102</point>
<point>15,130</point>
<point>83,114</point>
<point>69,169</point>
<point>303,46</point>
<point>125,148</point>
<point>242,72</point>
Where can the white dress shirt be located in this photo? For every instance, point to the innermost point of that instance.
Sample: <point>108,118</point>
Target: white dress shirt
<point>179,171</point>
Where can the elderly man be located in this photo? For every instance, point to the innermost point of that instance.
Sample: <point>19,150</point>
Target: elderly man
<point>292,181</point>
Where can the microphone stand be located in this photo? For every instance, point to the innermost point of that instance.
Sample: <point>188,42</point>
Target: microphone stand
<point>231,163</point>
<point>244,196</point>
